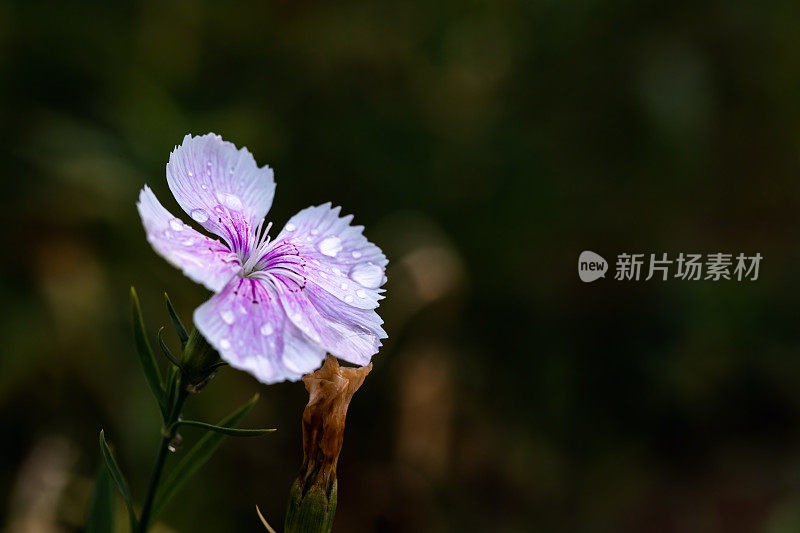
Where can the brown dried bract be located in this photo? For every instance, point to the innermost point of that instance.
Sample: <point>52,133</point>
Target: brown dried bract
<point>330,390</point>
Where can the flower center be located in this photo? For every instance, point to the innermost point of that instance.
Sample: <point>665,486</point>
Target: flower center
<point>262,239</point>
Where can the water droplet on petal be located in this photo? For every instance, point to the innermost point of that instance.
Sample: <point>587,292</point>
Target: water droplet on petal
<point>187,242</point>
<point>290,227</point>
<point>204,187</point>
<point>176,224</point>
<point>344,286</point>
<point>348,298</point>
<point>224,344</point>
<point>227,316</point>
<point>266,329</point>
<point>361,293</point>
<point>309,238</point>
<point>367,275</point>
<point>356,254</point>
<point>231,201</point>
<point>190,173</point>
<point>199,215</point>
<point>330,246</point>
<point>208,164</point>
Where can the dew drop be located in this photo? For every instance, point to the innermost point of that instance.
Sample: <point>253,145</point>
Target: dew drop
<point>176,224</point>
<point>199,215</point>
<point>368,275</point>
<point>208,164</point>
<point>361,293</point>
<point>290,227</point>
<point>175,444</point>
<point>348,298</point>
<point>330,246</point>
<point>190,174</point>
<point>227,316</point>
<point>187,242</point>
<point>266,329</point>
<point>356,254</point>
<point>231,201</point>
<point>344,286</point>
<point>204,187</point>
<point>309,238</point>
<point>225,344</point>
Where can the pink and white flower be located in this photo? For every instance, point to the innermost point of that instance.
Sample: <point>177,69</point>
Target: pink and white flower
<point>281,304</point>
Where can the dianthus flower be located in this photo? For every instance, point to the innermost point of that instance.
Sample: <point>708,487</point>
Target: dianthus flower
<point>280,304</point>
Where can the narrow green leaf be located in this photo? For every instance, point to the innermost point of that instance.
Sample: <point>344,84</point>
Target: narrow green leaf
<point>176,322</point>
<point>196,457</point>
<point>100,513</point>
<point>231,432</point>
<point>165,349</point>
<point>146,357</point>
<point>119,479</point>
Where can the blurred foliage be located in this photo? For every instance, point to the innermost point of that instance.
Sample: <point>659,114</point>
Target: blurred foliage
<point>483,145</point>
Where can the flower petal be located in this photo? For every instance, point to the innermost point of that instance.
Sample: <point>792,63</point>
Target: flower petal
<point>201,258</point>
<point>221,187</point>
<point>328,276</point>
<point>248,326</point>
<point>348,332</point>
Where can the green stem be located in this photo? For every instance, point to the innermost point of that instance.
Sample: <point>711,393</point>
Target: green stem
<point>161,456</point>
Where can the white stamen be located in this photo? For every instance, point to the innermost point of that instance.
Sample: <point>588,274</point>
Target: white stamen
<point>262,239</point>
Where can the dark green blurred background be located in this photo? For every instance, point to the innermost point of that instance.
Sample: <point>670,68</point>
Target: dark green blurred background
<point>484,145</point>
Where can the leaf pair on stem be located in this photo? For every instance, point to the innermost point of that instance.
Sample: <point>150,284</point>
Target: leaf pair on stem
<point>186,375</point>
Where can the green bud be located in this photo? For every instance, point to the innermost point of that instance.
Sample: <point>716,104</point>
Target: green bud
<point>311,512</point>
<point>200,362</point>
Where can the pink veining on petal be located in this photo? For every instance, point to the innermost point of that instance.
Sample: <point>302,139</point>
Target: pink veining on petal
<point>201,258</point>
<point>246,324</point>
<point>329,296</point>
<point>221,187</point>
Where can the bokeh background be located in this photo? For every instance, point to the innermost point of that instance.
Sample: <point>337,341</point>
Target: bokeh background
<point>484,145</point>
